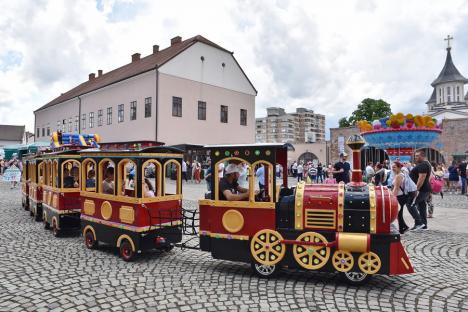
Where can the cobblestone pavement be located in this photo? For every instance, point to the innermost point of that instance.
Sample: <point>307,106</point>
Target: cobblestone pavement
<point>39,273</point>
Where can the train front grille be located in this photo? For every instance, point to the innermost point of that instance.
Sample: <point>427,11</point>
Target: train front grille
<point>320,218</point>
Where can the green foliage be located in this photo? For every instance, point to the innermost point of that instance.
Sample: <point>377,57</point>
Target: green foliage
<point>368,109</point>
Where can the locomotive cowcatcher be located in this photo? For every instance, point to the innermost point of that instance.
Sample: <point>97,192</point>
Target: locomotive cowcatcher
<point>322,227</point>
<point>132,199</point>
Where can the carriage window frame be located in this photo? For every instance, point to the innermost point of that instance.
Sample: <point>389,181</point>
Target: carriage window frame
<point>271,178</point>
<point>179,177</point>
<point>55,173</point>
<point>84,175</point>
<point>62,167</point>
<point>120,167</point>
<point>158,178</point>
<point>48,173</point>
<point>41,167</point>
<point>100,175</point>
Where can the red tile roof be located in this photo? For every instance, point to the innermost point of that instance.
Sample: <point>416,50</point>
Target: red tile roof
<point>145,64</point>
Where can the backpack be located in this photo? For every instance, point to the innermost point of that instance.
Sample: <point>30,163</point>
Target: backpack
<point>408,185</point>
<point>437,184</point>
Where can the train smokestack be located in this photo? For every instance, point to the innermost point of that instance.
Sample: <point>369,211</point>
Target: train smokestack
<point>355,143</point>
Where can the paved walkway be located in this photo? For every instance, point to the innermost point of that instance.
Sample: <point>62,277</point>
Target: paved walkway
<point>41,273</point>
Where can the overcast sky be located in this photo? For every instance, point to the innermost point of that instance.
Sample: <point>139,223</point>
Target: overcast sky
<point>323,55</point>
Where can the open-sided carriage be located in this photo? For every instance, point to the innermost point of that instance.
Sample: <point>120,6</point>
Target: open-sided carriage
<point>332,228</point>
<point>35,169</point>
<point>132,199</point>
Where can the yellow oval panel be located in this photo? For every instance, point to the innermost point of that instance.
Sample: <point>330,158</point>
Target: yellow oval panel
<point>106,210</point>
<point>233,221</point>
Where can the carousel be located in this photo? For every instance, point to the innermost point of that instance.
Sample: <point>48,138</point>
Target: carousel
<point>400,135</point>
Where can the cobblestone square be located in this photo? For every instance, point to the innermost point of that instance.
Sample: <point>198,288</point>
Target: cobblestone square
<point>41,273</point>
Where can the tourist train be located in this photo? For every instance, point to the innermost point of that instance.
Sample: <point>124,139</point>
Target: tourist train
<point>131,197</point>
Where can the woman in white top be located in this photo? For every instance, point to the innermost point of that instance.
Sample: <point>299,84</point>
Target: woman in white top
<point>403,199</point>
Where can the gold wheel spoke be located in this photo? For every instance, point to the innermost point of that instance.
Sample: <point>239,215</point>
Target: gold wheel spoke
<point>318,255</point>
<point>259,251</point>
<point>300,254</point>
<point>275,243</point>
<point>275,252</point>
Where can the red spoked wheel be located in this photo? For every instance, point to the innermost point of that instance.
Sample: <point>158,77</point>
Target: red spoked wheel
<point>90,241</point>
<point>126,251</point>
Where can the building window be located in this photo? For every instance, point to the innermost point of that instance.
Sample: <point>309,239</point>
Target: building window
<point>449,95</point>
<point>91,120</point>
<point>83,121</point>
<point>43,131</point>
<point>48,131</point>
<point>120,113</point>
<point>201,110</point>
<point>147,107</point>
<point>458,93</point>
<point>64,125</point>
<point>38,134</point>
<point>224,114</point>
<point>99,117</point>
<point>133,110</point>
<point>109,115</point>
<point>176,106</point>
<point>243,117</point>
<point>77,121</point>
<point>70,126</point>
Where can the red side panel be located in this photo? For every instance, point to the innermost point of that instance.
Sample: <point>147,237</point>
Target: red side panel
<point>399,261</point>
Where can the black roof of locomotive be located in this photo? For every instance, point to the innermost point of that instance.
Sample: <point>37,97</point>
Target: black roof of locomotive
<point>289,146</point>
<point>151,149</point>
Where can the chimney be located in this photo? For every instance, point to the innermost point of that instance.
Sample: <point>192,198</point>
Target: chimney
<point>92,76</point>
<point>175,40</point>
<point>355,143</point>
<point>135,57</point>
<point>155,48</point>
<point>99,72</point>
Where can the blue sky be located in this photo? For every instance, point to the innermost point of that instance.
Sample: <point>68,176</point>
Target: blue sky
<point>323,55</point>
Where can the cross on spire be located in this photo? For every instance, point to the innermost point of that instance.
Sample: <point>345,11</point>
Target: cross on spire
<point>448,41</point>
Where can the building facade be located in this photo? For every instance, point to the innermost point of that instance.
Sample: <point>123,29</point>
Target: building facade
<point>11,135</point>
<point>194,91</point>
<point>448,99</point>
<point>303,126</point>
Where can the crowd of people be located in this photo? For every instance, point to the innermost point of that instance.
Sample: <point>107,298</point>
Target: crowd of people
<point>12,163</point>
<point>192,171</point>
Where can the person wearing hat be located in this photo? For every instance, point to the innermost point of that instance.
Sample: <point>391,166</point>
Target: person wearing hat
<point>229,188</point>
<point>341,169</point>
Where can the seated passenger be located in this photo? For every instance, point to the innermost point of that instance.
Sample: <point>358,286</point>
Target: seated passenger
<point>91,179</point>
<point>108,182</point>
<point>148,189</point>
<point>229,189</point>
<point>68,181</point>
<point>75,173</point>
<point>129,187</point>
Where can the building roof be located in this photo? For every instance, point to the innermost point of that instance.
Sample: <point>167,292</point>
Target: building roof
<point>145,64</point>
<point>432,99</point>
<point>449,72</point>
<point>11,133</point>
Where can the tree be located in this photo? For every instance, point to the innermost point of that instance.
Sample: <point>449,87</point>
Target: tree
<point>368,109</point>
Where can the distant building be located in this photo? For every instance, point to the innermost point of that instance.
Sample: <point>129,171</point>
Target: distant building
<point>193,91</point>
<point>448,99</point>
<point>10,135</point>
<point>303,126</point>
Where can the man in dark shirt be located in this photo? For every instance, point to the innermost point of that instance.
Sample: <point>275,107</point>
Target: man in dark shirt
<point>420,175</point>
<point>229,189</point>
<point>341,169</point>
<point>462,174</point>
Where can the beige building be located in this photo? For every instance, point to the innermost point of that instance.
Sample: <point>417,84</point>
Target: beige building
<point>303,126</point>
<point>193,91</point>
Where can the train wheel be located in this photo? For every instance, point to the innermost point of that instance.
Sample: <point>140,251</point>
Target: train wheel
<point>44,220</point>
<point>90,241</point>
<point>369,262</point>
<point>264,271</point>
<point>126,251</point>
<point>266,247</point>
<point>311,257</point>
<point>55,229</point>
<point>355,278</point>
<point>343,261</point>
<point>37,217</point>
<point>31,212</point>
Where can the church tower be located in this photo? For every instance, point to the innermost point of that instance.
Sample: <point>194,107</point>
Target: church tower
<point>448,99</point>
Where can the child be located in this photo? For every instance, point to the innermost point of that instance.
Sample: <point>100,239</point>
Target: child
<point>330,179</point>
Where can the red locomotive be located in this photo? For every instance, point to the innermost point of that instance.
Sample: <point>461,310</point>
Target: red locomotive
<point>344,228</point>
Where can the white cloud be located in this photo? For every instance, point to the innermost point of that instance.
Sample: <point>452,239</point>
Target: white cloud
<point>325,55</point>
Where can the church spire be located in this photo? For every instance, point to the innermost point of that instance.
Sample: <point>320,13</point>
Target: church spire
<point>449,73</point>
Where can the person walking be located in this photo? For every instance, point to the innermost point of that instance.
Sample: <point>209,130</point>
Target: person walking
<point>184,170</point>
<point>341,169</point>
<point>208,175</point>
<point>294,169</point>
<point>312,173</point>
<point>402,196</point>
<point>462,173</point>
<point>260,174</point>
<point>2,166</point>
<point>420,175</point>
<point>319,173</point>
<point>380,173</point>
<point>370,172</point>
<point>299,172</point>
<point>453,178</point>
<point>197,172</point>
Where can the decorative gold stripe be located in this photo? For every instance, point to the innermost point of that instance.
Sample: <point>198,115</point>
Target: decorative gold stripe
<point>320,197</point>
<point>131,154</point>
<point>404,263</point>
<point>340,208</point>
<point>236,204</point>
<point>225,236</point>
<point>299,206</point>
<point>130,227</point>
<point>372,208</point>
<point>130,200</point>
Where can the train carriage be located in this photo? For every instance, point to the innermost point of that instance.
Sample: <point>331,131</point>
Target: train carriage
<point>60,191</point>
<point>333,228</point>
<point>36,170</point>
<point>132,199</point>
